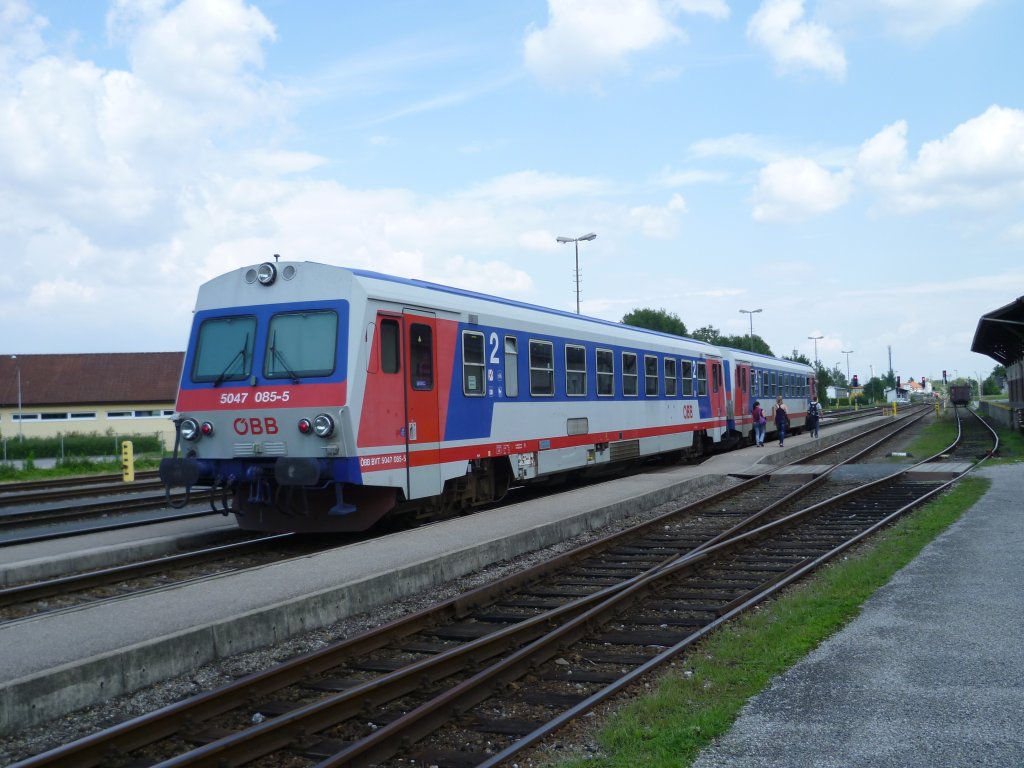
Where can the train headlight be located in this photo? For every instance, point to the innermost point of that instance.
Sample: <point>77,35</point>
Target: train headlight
<point>190,429</point>
<point>206,428</point>
<point>323,425</point>
<point>267,273</point>
<point>305,426</point>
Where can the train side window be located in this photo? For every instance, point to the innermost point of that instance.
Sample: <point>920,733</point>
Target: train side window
<point>716,375</point>
<point>542,368</point>
<point>775,385</point>
<point>702,379</point>
<point>472,364</point>
<point>511,366</point>
<point>651,375</point>
<point>389,346</point>
<point>670,377</point>
<point>629,374</point>
<point>687,378</point>
<point>421,353</point>
<point>605,373</point>
<point>575,370</point>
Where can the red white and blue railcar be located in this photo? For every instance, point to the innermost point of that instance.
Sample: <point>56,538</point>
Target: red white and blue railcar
<point>752,376</point>
<point>318,398</point>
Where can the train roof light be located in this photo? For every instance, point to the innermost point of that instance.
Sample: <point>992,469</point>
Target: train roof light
<point>266,274</point>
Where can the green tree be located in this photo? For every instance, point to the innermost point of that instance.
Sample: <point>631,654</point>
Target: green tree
<point>708,333</point>
<point>874,390</point>
<point>656,320</point>
<point>744,342</point>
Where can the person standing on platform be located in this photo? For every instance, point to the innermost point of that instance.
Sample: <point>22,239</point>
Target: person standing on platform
<point>813,416</point>
<point>759,424</point>
<point>781,419</point>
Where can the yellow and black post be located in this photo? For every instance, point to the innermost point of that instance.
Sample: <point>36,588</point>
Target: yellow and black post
<point>127,461</point>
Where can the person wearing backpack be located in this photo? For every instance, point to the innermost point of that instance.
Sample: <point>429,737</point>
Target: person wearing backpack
<point>759,424</point>
<point>781,419</point>
<point>813,416</point>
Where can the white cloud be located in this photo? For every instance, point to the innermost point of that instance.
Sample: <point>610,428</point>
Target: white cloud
<point>795,188</point>
<point>199,51</point>
<point>585,39</point>
<point>536,186</point>
<point>659,222</point>
<point>716,9</point>
<point>910,19</point>
<point>737,145</point>
<point>793,43</point>
<point>979,164</point>
<point>20,34</point>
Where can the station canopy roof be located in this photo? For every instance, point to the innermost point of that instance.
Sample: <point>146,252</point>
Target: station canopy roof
<point>1000,333</point>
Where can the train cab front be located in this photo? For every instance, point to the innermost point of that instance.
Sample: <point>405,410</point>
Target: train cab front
<point>263,424</point>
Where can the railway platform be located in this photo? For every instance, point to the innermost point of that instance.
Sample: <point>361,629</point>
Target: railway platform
<point>55,663</point>
<point>930,675</point>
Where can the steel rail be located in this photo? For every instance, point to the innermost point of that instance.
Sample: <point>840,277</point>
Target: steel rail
<point>137,733</point>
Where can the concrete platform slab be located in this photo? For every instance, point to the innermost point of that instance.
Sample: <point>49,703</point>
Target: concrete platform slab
<point>930,675</point>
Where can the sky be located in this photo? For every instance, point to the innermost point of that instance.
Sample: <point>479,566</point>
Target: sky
<point>852,168</point>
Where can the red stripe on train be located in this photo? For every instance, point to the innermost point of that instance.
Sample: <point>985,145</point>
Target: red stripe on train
<point>248,398</point>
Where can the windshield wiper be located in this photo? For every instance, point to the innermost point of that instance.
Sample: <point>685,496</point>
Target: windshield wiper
<point>239,354</point>
<point>275,355</point>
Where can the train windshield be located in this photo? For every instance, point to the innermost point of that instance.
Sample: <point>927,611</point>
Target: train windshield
<point>301,344</point>
<point>224,349</point>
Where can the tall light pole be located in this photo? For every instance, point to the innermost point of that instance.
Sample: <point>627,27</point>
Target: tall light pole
<point>848,352</point>
<point>815,338</point>
<point>18,368</point>
<point>576,240</point>
<point>751,312</point>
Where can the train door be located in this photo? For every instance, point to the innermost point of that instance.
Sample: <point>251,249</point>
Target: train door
<point>717,390</point>
<point>742,395</point>
<point>422,428</point>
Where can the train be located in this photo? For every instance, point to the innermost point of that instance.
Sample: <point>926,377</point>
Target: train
<point>960,394</point>
<point>318,398</point>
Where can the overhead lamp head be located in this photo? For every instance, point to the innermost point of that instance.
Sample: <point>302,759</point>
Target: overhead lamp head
<point>589,236</point>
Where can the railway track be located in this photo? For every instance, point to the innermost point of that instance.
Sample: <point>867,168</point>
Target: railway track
<point>483,676</point>
<point>34,598</point>
<point>112,480</point>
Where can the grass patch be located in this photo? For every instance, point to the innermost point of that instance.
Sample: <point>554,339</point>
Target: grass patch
<point>698,700</point>
<point>1011,447</point>
<point>70,467</point>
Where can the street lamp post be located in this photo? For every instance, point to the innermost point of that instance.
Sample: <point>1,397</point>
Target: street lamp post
<point>576,241</point>
<point>751,312</point>
<point>815,338</point>
<point>18,369</point>
<point>848,352</point>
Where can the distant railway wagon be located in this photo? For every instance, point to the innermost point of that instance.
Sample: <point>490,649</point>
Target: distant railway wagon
<point>320,398</point>
<point>960,394</point>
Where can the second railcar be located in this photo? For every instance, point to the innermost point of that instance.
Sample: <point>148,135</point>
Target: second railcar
<point>960,394</point>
